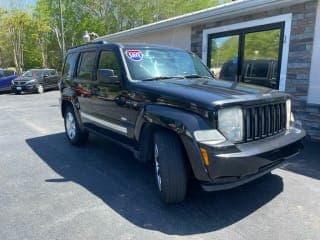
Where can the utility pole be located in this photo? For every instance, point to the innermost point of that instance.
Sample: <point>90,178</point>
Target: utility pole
<point>62,33</point>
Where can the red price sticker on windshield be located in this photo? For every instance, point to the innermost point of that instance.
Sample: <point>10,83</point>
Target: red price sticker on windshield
<point>134,55</point>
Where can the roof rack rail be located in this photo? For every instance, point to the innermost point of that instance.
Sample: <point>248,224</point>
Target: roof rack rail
<point>89,43</point>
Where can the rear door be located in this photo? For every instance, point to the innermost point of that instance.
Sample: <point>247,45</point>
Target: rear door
<point>108,99</point>
<point>83,82</point>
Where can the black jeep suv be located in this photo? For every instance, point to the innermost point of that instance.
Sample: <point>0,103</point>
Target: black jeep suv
<point>164,105</point>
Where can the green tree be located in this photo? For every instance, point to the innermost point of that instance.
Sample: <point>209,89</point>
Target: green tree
<point>15,24</point>
<point>32,37</point>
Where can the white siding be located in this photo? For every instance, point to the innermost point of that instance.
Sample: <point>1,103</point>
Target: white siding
<point>176,37</point>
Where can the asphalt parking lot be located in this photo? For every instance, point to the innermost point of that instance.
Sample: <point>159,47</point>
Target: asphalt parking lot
<point>52,190</point>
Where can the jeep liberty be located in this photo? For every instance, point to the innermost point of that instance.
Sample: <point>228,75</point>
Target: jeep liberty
<point>164,105</point>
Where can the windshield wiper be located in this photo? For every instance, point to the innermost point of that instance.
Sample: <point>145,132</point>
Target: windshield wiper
<point>161,78</point>
<point>195,76</point>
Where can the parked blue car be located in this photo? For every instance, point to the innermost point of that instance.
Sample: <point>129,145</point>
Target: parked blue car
<point>6,77</point>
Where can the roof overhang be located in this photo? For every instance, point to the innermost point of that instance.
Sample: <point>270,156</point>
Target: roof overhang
<point>225,11</point>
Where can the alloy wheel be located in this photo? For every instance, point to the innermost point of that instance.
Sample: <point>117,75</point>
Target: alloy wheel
<point>70,125</point>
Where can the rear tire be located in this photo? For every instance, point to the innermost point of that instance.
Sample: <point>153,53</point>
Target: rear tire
<point>170,167</point>
<point>75,135</point>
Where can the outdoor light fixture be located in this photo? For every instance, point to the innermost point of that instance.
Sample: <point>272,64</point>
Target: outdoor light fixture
<point>87,36</point>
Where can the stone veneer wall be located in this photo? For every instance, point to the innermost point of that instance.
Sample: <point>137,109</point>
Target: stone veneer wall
<point>299,61</point>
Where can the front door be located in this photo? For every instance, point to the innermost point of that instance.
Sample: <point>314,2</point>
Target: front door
<point>109,101</point>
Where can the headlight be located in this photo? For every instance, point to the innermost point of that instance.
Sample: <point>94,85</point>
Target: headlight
<point>289,114</point>
<point>230,123</point>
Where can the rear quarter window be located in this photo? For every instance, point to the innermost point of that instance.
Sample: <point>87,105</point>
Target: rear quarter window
<point>70,65</point>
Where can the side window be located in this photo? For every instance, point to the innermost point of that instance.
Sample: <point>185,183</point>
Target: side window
<point>87,64</point>
<point>8,73</point>
<point>69,65</point>
<point>108,60</point>
<point>45,73</point>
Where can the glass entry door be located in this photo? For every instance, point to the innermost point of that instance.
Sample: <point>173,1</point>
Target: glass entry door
<point>224,57</point>
<point>251,55</point>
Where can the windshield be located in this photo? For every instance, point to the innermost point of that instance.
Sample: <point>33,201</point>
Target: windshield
<point>156,63</point>
<point>32,73</point>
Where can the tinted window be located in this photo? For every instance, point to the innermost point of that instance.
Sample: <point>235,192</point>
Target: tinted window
<point>260,70</point>
<point>7,73</point>
<point>108,60</point>
<point>32,73</point>
<point>69,66</point>
<point>45,73</point>
<point>86,67</point>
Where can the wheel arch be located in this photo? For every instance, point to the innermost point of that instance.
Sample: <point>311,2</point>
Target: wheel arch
<point>181,123</point>
<point>67,101</point>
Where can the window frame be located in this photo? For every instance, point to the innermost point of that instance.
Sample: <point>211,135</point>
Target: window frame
<point>287,21</point>
<point>242,33</point>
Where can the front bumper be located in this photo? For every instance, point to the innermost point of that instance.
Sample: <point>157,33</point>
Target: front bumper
<point>24,88</point>
<point>232,165</point>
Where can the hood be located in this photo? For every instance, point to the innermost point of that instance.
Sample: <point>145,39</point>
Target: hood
<point>208,93</point>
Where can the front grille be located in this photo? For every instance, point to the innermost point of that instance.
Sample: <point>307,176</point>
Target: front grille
<point>18,83</point>
<point>264,121</point>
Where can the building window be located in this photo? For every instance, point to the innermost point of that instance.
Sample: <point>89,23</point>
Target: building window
<point>283,22</point>
<point>249,55</point>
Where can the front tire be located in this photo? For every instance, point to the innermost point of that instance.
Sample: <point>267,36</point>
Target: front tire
<point>40,89</point>
<point>75,135</point>
<point>170,168</point>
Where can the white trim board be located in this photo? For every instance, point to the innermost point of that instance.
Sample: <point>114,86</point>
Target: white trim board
<point>286,18</point>
<point>314,84</point>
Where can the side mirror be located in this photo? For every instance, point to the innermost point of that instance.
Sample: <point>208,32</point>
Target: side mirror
<point>107,76</point>
<point>45,76</point>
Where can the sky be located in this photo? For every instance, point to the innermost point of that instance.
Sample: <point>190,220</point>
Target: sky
<point>20,3</point>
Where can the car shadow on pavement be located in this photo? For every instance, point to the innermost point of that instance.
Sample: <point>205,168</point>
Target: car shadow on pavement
<point>128,187</point>
<point>308,162</point>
